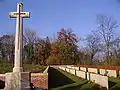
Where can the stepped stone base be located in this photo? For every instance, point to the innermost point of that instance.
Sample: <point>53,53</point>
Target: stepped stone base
<point>17,81</point>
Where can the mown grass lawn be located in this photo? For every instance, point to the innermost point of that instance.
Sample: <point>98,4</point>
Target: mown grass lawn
<point>114,83</point>
<point>61,80</point>
<point>8,67</point>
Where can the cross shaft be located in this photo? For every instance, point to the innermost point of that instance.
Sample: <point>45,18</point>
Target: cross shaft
<point>18,37</point>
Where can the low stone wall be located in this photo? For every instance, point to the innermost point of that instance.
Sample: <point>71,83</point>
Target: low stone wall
<point>98,79</point>
<point>81,74</point>
<point>94,70</point>
<point>40,80</point>
<point>46,70</point>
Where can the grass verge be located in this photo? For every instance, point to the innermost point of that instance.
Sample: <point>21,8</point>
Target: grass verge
<point>7,67</point>
<point>114,83</point>
<point>61,80</point>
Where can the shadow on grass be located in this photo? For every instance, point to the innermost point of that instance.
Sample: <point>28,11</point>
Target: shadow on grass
<point>111,84</point>
<point>116,87</point>
<point>2,84</point>
<point>56,78</point>
<point>74,87</point>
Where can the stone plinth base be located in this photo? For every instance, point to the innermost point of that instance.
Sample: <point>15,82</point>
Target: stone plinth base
<point>17,81</point>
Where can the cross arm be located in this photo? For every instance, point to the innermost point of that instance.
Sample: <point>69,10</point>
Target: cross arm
<point>22,14</point>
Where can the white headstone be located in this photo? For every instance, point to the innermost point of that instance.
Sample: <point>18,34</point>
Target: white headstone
<point>112,73</point>
<point>119,73</point>
<point>76,68</point>
<point>88,75</point>
<point>81,74</point>
<point>99,79</point>
<point>94,70</point>
<point>73,67</point>
<point>61,67</point>
<point>83,69</point>
<point>72,71</point>
<point>102,71</point>
<point>108,72</point>
<point>67,69</point>
<point>70,66</point>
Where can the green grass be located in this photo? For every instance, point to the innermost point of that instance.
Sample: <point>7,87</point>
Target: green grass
<point>5,67</point>
<point>61,80</point>
<point>90,86</point>
<point>8,67</point>
<point>115,80</point>
<point>115,87</point>
<point>114,83</point>
<point>34,68</point>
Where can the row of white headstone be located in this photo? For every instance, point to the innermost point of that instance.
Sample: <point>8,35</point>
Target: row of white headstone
<point>106,72</point>
<point>93,74</point>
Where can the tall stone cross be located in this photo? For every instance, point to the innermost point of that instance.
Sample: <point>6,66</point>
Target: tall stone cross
<point>18,37</point>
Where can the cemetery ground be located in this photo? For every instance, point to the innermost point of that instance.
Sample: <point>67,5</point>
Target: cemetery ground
<point>61,80</point>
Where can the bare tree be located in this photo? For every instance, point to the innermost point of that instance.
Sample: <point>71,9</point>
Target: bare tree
<point>93,45</point>
<point>29,42</point>
<point>30,36</point>
<point>106,28</point>
<point>7,47</point>
<point>116,50</point>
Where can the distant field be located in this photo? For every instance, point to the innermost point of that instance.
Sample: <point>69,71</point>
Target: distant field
<point>7,67</point>
<point>61,80</point>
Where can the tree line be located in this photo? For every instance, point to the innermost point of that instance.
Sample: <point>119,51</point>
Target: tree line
<point>100,47</point>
